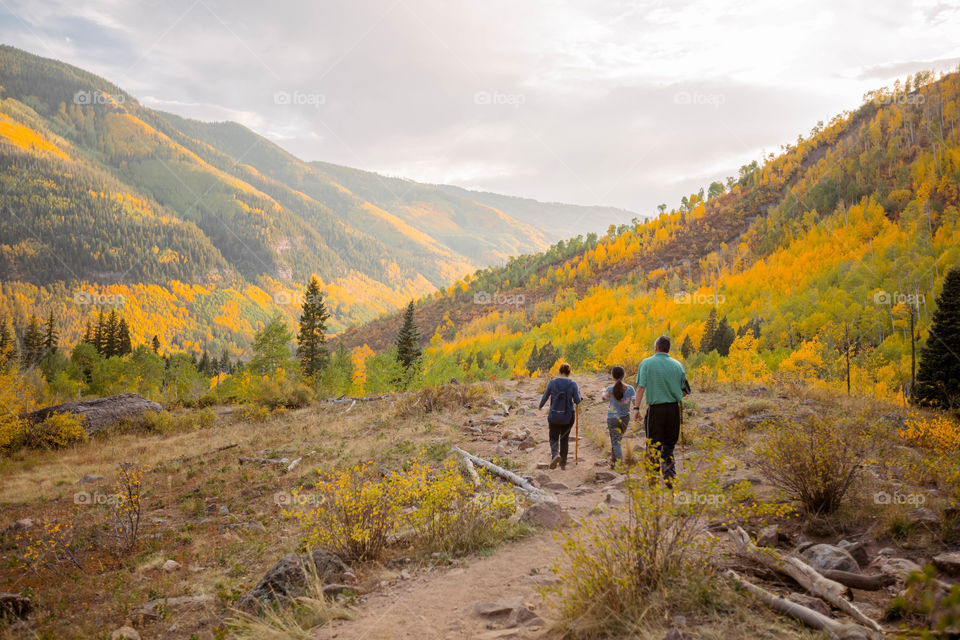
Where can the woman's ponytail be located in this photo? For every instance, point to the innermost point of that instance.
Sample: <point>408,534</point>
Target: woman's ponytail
<point>617,373</point>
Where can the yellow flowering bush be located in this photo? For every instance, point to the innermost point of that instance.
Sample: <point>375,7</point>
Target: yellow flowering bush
<point>619,572</point>
<point>815,461</point>
<point>356,513</point>
<point>54,545</point>
<point>57,431</point>
<point>125,503</point>
<point>939,433</point>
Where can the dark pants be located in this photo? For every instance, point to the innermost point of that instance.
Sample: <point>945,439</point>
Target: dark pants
<point>560,441</point>
<point>663,431</point>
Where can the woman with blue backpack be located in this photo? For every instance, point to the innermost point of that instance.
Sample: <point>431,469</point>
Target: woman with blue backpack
<point>563,394</point>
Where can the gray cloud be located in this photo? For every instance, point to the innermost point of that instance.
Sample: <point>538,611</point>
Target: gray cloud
<point>605,102</point>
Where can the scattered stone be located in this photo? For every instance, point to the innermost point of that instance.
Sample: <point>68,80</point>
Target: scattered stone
<point>602,462</point>
<point>543,465</point>
<point>948,562</point>
<point>615,496</point>
<point>887,551</point>
<point>548,515</point>
<point>170,566</point>
<point>857,550</point>
<point>287,579</point>
<point>758,390</point>
<point>543,478</point>
<point>528,444</point>
<point>769,536</point>
<point>494,420</point>
<point>828,557</point>
<point>510,612</point>
<point>14,605</point>
<point>149,611</point>
<point>224,510</point>
<point>255,525</point>
<point>675,634</point>
<point>900,568</point>
<point>582,490</point>
<point>125,633</point>
<point>810,602</point>
<point>22,523</point>
<point>404,574</point>
<point>91,479</point>
<point>605,476</point>
<point>555,486</point>
<point>544,581</point>
<point>923,516</point>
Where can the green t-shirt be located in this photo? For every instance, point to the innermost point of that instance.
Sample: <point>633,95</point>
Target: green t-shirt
<point>662,379</point>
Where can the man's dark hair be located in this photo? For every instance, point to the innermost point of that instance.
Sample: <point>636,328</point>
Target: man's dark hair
<point>662,344</point>
<point>564,369</point>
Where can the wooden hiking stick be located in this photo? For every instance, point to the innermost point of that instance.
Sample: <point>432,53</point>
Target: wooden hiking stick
<point>576,443</point>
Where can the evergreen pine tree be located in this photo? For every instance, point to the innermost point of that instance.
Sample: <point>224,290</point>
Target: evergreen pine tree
<point>723,338</point>
<point>938,373</point>
<point>204,366</point>
<point>408,340</point>
<point>155,344</point>
<point>87,335</point>
<point>312,339</point>
<point>706,342</point>
<point>533,362</point>
<point>124,344</point>
<point>111,335</point>
<point>686,349</point>
<point>32,342</point>
<point>98,338</point>
<point>51,337</point>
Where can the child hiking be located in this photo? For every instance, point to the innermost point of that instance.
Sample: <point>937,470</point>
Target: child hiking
<point>563,393</point>
<point>618,413</point>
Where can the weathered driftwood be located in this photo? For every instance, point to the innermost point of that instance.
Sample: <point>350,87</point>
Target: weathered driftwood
<point>183,459</point>
<point>809,617</point>
<point>859,580</point>
<point>293,465</point>
<point>806,576</point>
<point>535,494</point>
<point>274,461</point>
<point>472,471</point>
<point>100,413</point>
<point>351,399</point>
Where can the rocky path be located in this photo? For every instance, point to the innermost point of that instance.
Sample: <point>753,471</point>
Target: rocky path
<point>497,596</point>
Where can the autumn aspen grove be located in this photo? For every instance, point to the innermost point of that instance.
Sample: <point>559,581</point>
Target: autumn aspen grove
<point>549,320</point>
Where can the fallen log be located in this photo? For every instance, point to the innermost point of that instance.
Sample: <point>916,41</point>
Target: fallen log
<point>273,461</point>
<point>183,459</point>
<point>535,494</point>
<point>859,581</point>
<point>473,472</point>
<point>345,399</point>
<point>809,617</point>
<point>806,576</point>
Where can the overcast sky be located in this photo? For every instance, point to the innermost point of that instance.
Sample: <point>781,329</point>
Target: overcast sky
<point>592,102</point>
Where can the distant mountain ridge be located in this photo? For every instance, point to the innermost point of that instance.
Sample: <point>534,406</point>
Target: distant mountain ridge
<point>102,192</point>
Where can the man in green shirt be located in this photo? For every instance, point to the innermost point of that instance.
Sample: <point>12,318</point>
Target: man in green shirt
<point>663,382</point>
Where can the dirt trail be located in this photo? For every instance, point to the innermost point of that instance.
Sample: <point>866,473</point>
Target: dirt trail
<point>438,603</point>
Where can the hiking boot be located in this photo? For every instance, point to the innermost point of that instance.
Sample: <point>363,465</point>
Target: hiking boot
<point>563,465</point>
<point>554,462</point>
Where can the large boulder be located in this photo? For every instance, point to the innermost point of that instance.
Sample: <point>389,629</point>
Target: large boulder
<point>826,557</point>
<point>948,562</point>
<point>101,413</point>
<point>288,578</point>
